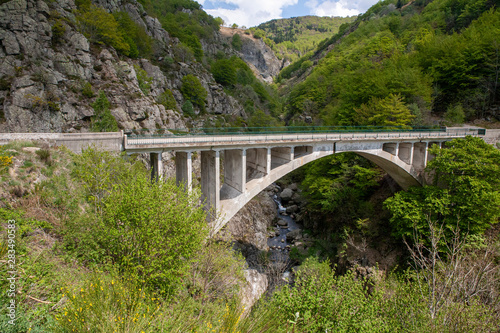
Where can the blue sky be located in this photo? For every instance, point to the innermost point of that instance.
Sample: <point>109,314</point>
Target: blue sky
<point>251,13</point>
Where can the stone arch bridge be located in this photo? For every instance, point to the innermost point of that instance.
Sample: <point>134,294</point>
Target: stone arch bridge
<point>251,162</point>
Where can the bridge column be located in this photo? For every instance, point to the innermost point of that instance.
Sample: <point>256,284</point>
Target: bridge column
<point>419,156</point>
<point>184,169</point>
<point>235,163</point>
<point>156,166</point>
<point>210,181</point>
<point>268,161</point>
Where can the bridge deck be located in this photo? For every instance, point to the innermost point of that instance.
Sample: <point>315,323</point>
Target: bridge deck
<point>204,142</point>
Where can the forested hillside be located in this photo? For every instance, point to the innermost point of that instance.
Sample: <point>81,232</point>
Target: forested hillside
<point>405,60</point>
<point>294,37</point>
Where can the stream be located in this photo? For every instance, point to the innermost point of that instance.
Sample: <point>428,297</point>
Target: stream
<point>279,247</point>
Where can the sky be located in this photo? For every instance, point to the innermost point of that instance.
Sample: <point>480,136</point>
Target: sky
<point>250,13</point>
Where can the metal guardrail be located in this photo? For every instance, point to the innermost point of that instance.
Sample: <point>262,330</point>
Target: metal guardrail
<point>269,136</point>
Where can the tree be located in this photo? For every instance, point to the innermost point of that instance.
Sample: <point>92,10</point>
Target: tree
<point>388,112</point>
<point>465,193</point>
<point>224,72</point>
<point>103,121</point>
<point>193,90</point>
<point>236,42</point>
<point>101,27</point>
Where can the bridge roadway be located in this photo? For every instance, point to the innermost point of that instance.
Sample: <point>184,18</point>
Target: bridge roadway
<point>251,162</point>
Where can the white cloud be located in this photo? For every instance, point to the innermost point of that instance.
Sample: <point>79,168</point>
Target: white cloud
<point>335,8</point>
<point>250,13</point>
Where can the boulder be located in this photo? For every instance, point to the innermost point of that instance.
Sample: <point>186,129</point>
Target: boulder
<point>286,195</point>
<point>294,235</point>
<point>292,209</point>
<point>256,285</point>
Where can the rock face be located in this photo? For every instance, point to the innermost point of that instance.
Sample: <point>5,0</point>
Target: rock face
<point>256,286</point>
<point>257,54</point>
<point>250,224</point>
<point>48,82</point>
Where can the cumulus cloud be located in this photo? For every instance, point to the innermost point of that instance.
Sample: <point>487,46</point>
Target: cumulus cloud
<point>336,8</point>
<point>248,13</point>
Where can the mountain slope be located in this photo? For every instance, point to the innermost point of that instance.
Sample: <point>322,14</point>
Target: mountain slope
<point>439,56</point>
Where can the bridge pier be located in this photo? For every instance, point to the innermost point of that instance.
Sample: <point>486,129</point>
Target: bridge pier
<point>235,163</point>
<point>184,169</point>
<point>210,181</point>
<point>156,166</point>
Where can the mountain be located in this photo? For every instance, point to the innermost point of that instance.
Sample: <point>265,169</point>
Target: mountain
<point>402,63</point>
<point>293,37</point>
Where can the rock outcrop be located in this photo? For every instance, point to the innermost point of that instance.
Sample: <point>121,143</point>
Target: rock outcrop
<point>257,55</point>
<point>48,82</point>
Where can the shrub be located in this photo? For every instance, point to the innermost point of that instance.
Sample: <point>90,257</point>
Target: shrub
<point>101,27</point>
<point>149,231</point>
<point>236,42</point>
<point>455,115</point>
<point>188,108</point>
<point>167,100</point>
<point>44,155</point>
<point>224,72</point>
<point>58,31</point>
<point>193,90</point>
<point>143,79</point>
<point>103,121</point>
<point>87,90</point>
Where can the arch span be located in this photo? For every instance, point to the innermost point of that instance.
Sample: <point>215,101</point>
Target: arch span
<point>232,200</point>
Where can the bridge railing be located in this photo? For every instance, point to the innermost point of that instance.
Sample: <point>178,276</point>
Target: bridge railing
<point>228,135</point>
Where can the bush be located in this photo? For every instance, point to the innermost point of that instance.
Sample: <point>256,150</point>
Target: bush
<point>224,72</point>
<point>193,90</point>
<point>167,100</point>
<point>101,27</point>
<point>236,42</point>
<point>143,79</point>
<point>103,121</point>
<point>188,108</point>
<point>58,31</point>
<point>149,231</point>
<point>455,115</point>
<point>87,90</point>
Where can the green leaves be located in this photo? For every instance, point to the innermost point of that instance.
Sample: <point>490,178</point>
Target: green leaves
<point>193,90</point>
<point>103,121</point>
<point>465,193</point>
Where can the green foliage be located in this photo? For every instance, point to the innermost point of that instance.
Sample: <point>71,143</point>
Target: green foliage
<point>455,115</point>
<point>261,119</point>
<point>236,42</point>
<point>224,72</point>
<point>167,100</point>
<point>294,37</point>
<point>143,79</point>
<point>101,27</point>
<point>465,193</point>
<point>410,54</point>
<point>87,90</point>
<point>193,90</point>
<point>186,20</point>
<point>188,108</point>
<point>141,45</point>
<point>150,231</point>
<point>103,120</point>
<point>337,185</point>
<point>58,31</point>
<point>389,112</point>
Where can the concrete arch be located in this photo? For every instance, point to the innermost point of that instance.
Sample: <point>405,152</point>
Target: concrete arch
<point>232,200</point>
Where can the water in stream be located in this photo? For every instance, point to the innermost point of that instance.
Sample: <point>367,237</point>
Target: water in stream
<point>278,245</point>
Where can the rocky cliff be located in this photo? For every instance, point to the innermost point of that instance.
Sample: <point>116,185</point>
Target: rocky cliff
<point>49,77</point>
<point>256,54</point>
